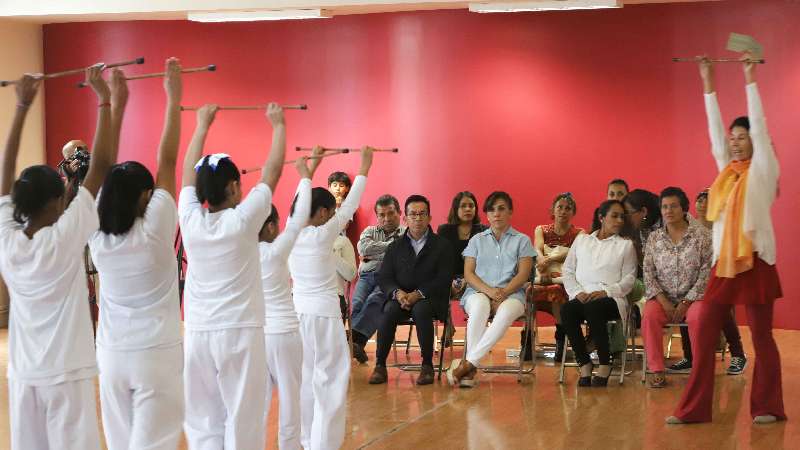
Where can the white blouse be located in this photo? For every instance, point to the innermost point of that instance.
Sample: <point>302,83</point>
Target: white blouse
<point>594,264</point>
<point>762,176</point>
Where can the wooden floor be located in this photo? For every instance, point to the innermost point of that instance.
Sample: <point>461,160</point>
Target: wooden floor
<point>539,412</point>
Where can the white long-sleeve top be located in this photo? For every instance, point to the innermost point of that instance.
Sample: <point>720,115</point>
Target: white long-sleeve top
<point>313,264</point>
<point>345,256</point>
<point>762,176</point>
<point>594,264</point>
<point>279,313</point>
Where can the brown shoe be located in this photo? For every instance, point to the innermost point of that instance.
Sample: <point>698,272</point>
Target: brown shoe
<point>379,375</point>
<point>463,375</point>
<point>425,375</point>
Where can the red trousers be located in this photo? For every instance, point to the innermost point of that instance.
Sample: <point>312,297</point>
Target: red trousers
<point>705,322</point>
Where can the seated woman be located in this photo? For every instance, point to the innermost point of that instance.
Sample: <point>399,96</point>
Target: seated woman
<point>598,273</point>
<point>497,264</point>
<point>552,243</point>
<point>644,216</point>
<point>677,261</point>
<point>462,224</point>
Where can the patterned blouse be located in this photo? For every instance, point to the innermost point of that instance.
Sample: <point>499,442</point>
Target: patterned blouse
<point>552,238</point>
<point>679,270</point>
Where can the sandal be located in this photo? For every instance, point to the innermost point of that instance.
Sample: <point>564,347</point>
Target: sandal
<point>657,380</point>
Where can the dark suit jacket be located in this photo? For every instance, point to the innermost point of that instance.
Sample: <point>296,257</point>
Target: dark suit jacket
<point>431,271</point>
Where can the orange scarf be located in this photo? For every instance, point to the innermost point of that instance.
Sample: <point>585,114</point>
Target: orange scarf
<point>728,193</point>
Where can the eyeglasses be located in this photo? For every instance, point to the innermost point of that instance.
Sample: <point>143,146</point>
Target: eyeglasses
<point>417,215</point>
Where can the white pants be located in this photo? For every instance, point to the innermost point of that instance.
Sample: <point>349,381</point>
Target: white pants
<point>141,398</point>
<point>225,389</point>
<point>481,339</point>
<point>284,366</point>
<point>326,375</point>
<point>61,416</point>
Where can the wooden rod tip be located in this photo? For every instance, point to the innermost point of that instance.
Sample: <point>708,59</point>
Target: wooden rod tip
<point>140,60</point>
<point>212,67</point>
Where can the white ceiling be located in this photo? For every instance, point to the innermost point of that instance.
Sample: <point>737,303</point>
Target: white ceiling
<point>54,11</point>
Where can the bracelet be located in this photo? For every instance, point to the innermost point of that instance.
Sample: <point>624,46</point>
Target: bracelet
<point>23,105</point>
<point>104,104</point>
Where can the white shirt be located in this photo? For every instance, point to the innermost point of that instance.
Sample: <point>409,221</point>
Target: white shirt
<point>223,280</point>
<point>762,176</point>
<point>312,262</point>
<point>345,257</point>
<point>139,299</point>
<point>607,265</point>
<point>279,313</point>
<point>50,337</point>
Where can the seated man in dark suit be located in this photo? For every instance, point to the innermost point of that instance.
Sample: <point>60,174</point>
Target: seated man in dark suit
<point>415,275</point>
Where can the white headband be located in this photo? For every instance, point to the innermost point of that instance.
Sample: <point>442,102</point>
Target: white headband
<point>213,161</point>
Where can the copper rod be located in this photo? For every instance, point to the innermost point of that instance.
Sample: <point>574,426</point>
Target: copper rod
<point>77,71</point>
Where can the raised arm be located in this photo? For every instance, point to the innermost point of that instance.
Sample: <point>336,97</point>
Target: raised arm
<point>295,223</point>
<point>274,164</point>
<point>764,162</point>
<point>104,155</point>
<point>171,136</point>
<point>716,129</point>
<point>205,117</point>
<point>26,88</point>
<point>350,204</point>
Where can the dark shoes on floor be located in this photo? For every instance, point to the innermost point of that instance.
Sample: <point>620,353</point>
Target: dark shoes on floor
<point>425,375</point>
<point>359,353</point>
<point>379,375</point>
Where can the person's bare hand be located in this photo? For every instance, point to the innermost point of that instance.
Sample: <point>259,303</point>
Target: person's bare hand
<point>302,167</point>
<point>582,297</point>
<point>206,114</point>
<point>119,88</point>
<point>94,78</point>
<point>26,89</point>
<point>173,83</point>
<point>706,67</point>
<point>275,114</point>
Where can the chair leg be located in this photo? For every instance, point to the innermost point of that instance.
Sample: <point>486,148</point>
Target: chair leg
<point>563,359</point>
<point>408,340</point>
<point>441,345</point>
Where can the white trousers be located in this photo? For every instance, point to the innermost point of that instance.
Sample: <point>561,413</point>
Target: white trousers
<point>284,367</point>
<point>225,389</point>
<point>481,339</point>
<point>60,417</point>
<point>326,375</point>
<point>141,398</point>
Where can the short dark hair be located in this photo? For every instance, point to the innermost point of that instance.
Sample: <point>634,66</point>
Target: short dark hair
<point>673,191</point>
<point>416,198</point>
<point>340,177</point>
<point>494,197</point>
<point>320,198</point>
<point>386,200</point>
<point>452,216</point>
<point>569,198</point>
<point>273,217</point>
<point>640,198</point>
<point>212,182</point>
<point>122,188</point>
<point>742,121</point>
<point>602,211</point>
<point>35,186</point>
<point>619,181</point>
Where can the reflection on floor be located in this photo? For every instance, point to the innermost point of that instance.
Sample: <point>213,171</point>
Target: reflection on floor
<point>539,412</point>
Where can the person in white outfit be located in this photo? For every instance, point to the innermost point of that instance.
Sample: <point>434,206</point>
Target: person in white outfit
<point>51,359</point>
<point>284,350</point>
<point>139,339</point>
<point>326,359</point>
<point>225,370</point>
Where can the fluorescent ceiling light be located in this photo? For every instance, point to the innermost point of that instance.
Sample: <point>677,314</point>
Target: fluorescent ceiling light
<point>551,5</point>
<point>249,16</point>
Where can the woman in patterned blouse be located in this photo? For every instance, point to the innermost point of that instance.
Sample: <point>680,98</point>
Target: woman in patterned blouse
<point>677,261</point>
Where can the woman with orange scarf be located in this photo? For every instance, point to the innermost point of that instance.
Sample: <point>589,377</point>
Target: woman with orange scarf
<point>744,252</point>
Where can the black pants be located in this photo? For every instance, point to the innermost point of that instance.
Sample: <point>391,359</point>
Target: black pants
<point>344,308</point>
<point>422,313</point>
<point>596,313</point>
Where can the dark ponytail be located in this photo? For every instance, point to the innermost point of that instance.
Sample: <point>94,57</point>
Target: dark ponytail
<point>34,188</point>
<point>211,181</point>
<point>119,198</point>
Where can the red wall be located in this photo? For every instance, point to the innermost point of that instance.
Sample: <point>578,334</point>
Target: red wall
<point>534,104</point>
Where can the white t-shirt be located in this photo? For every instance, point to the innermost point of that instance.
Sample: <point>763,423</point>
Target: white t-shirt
<point>223,279</point>
<point>139,299</point>
<point>50,337</point>
<point>280,316</point>
<point>313,264</point>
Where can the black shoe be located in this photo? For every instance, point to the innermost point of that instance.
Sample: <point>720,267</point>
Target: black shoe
<point>682,366</point>
<point>600,381</point>
<point>359,354</point>
<point>585,381</point>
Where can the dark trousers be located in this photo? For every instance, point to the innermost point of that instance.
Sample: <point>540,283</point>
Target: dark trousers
<point>596,313</point>
<point>729,329</point>
<point>422,313</point>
